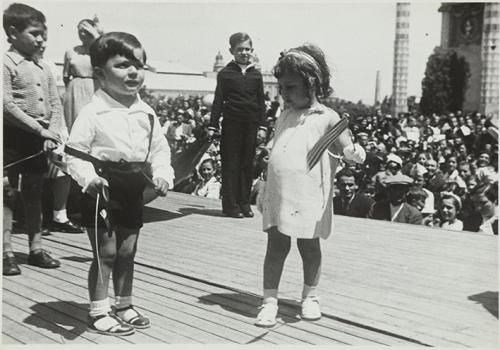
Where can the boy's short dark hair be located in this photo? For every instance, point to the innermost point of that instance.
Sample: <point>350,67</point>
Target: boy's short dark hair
<point>20,16</point>
<point>239,37</point>
<point>114,43</point>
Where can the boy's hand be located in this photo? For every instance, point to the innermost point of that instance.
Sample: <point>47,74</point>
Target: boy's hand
<point>50,135</point>
<point>161,186</point>
<point>49,145</point>
<point>96,186</point>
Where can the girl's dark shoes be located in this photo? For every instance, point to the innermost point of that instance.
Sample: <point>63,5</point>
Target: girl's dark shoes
<point>10,267</point>
<point>130,316</point>
<point>42,259</point>
<point>108,324</point>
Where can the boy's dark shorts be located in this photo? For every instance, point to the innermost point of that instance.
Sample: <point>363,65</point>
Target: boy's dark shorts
<point>126,201</point>
<point>18,144</point>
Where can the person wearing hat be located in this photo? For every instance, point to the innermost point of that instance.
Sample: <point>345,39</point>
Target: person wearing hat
<point>392,167</point>
<point>395,208</point>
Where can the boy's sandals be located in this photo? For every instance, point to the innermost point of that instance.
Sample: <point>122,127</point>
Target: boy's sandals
<point>310,309</point>
<point>108,324</point>
<point>267,315</point>
<point>130,316</point>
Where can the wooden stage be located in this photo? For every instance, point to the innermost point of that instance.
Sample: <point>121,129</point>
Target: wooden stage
<point>199,276</point>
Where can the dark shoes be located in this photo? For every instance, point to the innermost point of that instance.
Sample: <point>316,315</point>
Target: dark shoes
<point>10,267</point>
<point>130,316</point>
<point>248,214</point>
<point>67,227</point>
<point>108,324</point>
<point>237,215</point>
<point>42,259</point>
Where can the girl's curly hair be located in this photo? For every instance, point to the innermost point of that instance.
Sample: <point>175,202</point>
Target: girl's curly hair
<point>291,64</point>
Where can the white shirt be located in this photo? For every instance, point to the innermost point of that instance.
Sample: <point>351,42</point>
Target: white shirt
<point>109,131</point>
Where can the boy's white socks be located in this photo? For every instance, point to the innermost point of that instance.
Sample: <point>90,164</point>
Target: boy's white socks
<point>99,307</point>
<point>60,216</point>
<point>270,296</point>
<point>309,291</point>
<point>123,301</point>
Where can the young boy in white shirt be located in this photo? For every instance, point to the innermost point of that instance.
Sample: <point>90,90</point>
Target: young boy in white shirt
<point>115,150</point>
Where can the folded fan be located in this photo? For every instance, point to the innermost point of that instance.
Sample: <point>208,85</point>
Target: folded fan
<point>314,155</point>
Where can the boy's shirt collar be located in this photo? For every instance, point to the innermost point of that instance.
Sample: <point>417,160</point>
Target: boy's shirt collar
<point>106,103</point>
<point>18,57</point>
<point>242,67</point>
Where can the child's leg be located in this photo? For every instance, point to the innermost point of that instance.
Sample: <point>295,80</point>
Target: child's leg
<point>60,221</point>
<point>31,192</point>
<point>100,319</point>
<point>100,269</point>
<point>123,269</point>
<point>10,266</point>
<point>278,247</point>
<point>310,251</point>
<point>123,278</point>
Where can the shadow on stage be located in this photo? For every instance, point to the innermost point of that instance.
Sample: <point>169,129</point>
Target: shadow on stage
<point>489,300</point>
<point>155,215</point>
<point>63,318</point>
<point>247,305</point>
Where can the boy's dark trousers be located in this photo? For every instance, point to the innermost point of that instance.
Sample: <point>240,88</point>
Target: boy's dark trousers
<point>238,142</point>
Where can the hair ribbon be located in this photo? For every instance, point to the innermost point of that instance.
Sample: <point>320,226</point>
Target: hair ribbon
<point>304,56</point>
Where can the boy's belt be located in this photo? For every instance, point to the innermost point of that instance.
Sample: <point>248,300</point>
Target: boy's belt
<point>101,166</point>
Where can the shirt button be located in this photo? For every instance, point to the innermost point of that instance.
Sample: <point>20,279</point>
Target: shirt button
<point>41,114</point>
<point>40,99</point>
<point>38,84</point>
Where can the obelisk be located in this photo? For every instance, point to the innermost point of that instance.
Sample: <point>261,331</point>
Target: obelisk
<point>401,58</point>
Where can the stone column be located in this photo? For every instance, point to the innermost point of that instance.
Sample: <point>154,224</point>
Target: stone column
<point>489,60</point>
<point>377,89</point>
<point>401,58</point>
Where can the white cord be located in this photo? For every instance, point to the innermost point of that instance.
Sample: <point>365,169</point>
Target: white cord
<point>95,233</point>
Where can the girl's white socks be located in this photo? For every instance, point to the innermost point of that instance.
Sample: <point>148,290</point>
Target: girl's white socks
<point>270,296</point>
<point>121,302</point>
<point>309,291</point>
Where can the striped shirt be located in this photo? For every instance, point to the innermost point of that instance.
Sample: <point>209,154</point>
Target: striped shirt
<point>30,97</point>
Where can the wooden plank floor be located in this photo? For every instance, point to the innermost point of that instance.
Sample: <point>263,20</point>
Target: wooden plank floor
<point>199,276</point>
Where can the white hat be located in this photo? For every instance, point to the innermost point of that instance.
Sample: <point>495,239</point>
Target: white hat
<point>394,158</point>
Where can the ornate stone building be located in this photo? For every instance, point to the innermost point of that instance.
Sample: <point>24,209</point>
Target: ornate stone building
<point>472,30</point>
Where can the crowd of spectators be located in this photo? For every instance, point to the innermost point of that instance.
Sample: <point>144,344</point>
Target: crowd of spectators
<point>445,159</point>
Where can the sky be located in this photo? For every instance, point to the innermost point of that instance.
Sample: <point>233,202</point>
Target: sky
<point>356,36</point>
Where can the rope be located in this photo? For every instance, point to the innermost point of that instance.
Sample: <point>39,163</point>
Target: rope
<point>23,159</point>
<point>95,233</point>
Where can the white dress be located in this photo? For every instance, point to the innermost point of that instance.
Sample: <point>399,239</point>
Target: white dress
<point>296,201</point>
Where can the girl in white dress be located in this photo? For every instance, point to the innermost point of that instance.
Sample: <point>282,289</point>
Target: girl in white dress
<point>297,202</point>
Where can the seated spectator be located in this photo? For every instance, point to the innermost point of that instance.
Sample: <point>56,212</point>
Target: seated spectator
<point>485,217</point>
<point>449,208</point>
<point>395,208</point>
<point>350,201</point>
<point>485,173</point>
<point>208,187</point>
<point>450,172</point>
<point>418,176</point>
<point>434,180</point>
